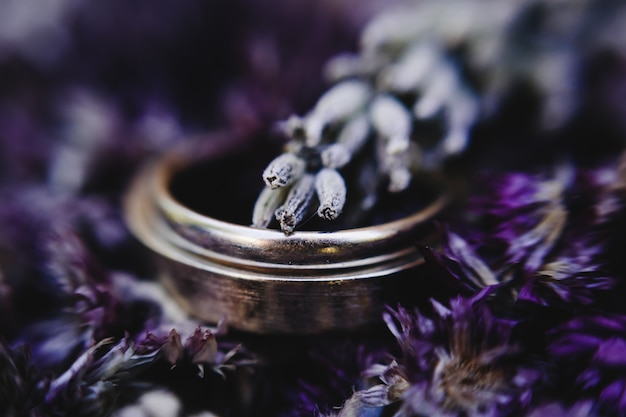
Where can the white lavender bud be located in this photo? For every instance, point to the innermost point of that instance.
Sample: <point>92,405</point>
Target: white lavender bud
<point>297,204</point>
<point>441,85</point>
<point>455,140</point>
<point>337,104</point>
<point>461,113</point>
<point>342,66</point>
<point>349,65</point>
<point>398,167</point>
<point>266,204</point>
<point>410,72</point>
<point>293,127</point>
<point>395,27</point>
<point>331,191</point>
<point>399,179</point>
<point>462,109</point>
<point>335,156</point>
<point>392,121</point>
<point>283,170</point>
<point>350,140</point>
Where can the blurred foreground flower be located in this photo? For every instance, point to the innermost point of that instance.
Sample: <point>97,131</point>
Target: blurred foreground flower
<point>93,384</point>
<point>79,334</point>
<point>543,237</point>
<point>590,353</point>
<point>461,361</point>
<point>330,371</point>
<point>579,409</point>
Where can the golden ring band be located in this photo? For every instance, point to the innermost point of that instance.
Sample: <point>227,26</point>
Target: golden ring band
<point>261,280</point>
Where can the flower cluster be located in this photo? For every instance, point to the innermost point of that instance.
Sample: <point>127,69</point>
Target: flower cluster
<point>590,350</point>
<point>424,76</point>
<point>461,361</point>
<point>379,104</point>
<point>100,328</point>
<point>541,237</point>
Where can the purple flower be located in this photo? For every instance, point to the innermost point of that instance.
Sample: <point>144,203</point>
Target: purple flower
<point>460,360</point>
<point>25,145</point>
<point>198,348</point>
<point>95,379</point>
<point>589,352</point>
<point>542,237</point>
<point>333,371</point>
<point>21,384</point>
<point>525,216</point>
<point>90,385</point>
<point>579,409</point>
<point>85,308</point>
<point>88,325</point>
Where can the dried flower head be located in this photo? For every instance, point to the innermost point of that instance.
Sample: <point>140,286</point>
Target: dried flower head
<point>461,361</point>
<point>583,408</point>
<point>327,370</point>
<point>544,237</point>
<point>589,353</point>
<point>22,383</point>
<point>199,348</point>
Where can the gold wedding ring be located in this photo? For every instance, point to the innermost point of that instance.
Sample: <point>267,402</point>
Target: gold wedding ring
<point>261,280</point>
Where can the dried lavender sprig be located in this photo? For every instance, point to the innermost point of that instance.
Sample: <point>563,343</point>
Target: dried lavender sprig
<point>417,56</point>
<point>462,110</point>
<point>295,208</point>
<point>337,104</point>
<point>441,84</point>
<point>450,21</point>
<point>350,65</point>
<point>392,121</point>
<point>363,97</point>
<point>350,140</point>
<point>283,170</point>
<point>266,204</point>
<point>412,68</point>
<point>398,167</point>
<point>331,191</point>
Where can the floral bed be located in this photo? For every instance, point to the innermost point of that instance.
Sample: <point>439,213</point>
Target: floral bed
<point>520,312</point>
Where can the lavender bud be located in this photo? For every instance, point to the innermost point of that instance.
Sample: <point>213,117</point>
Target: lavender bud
<point>345,65</point>
<point>350,140</point>
<point>399,179</point>
<point>355,133</point>
<point>462,112</point>
<point>440,86</point>
<point>338,103</point>
<point>335,156</point>
<point>172,350</point>
<point>293,127</point>
<point>463,106</point>
<point>297,204</point>
<point>283,170</point>
<point>331,191</point>
<point>266,204</point>
<point>392,121</point>
<point>395,27</point>
<point>455,140</point>
<point>398,167</point>
<point>410,72</point>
